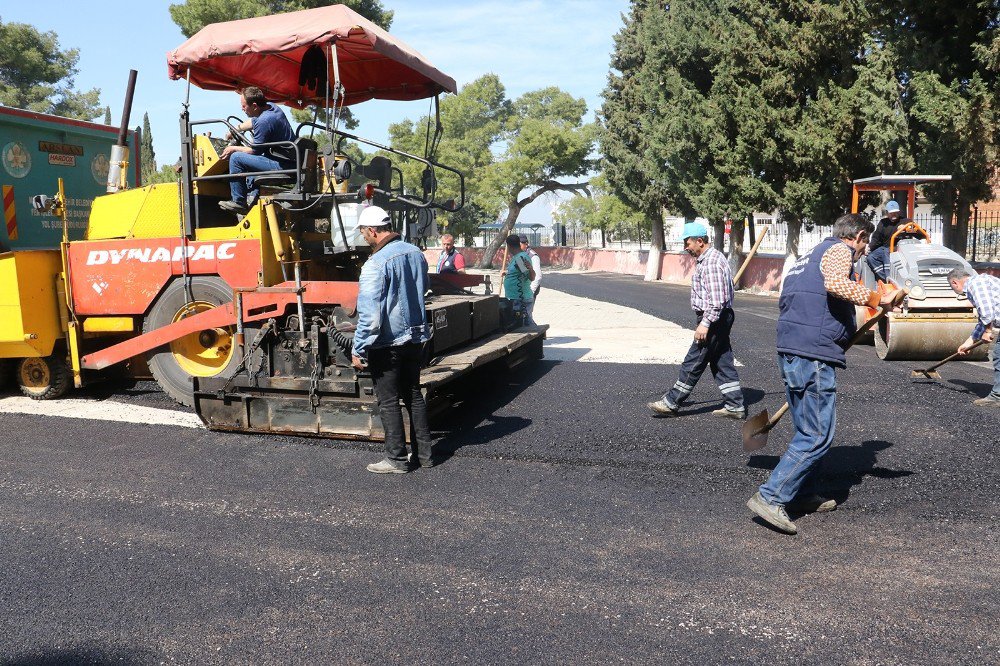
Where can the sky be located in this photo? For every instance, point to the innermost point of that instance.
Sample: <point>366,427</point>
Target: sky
<point>529,44</point>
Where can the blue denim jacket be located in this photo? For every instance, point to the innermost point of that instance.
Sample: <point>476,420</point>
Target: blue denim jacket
<point>391,289</point>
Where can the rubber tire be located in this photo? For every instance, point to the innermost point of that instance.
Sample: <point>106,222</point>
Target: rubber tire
<point>173,379</point>
<point>59,378</point>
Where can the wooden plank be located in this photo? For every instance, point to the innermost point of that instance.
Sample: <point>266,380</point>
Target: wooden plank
<point>450,366</point>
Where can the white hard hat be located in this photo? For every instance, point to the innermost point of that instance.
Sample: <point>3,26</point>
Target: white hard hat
<point>373,216</point>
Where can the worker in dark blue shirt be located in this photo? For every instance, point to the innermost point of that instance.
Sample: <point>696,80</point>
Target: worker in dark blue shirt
<point>269,124</point>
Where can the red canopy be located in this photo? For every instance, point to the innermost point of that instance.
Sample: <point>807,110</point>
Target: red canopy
<point>283,54</point>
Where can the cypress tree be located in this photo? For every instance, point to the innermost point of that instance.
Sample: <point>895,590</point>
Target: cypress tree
<point>147,158</point>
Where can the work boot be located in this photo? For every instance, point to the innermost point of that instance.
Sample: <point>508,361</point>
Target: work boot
<point>725,412</point>
<point>988,401</point>
<point>386,466</point>
<point>812,504</point>
<point>416,462</point>
<point>661,408</point>
<point>773,514</point>
<point>234,207</point>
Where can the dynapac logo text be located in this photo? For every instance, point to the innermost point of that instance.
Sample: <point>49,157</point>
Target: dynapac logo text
<point>149,255</point>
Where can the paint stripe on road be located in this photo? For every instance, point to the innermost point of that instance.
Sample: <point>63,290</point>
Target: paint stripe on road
<point>99,410</point>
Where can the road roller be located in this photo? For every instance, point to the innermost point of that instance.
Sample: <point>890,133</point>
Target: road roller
<point>933,321</point>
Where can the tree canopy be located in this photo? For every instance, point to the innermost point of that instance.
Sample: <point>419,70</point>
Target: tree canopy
<point>35,74</point>
<point>193,15</point>
<point>718,107</point>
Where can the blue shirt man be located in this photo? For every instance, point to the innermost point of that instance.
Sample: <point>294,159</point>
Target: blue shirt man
<point>983,291</point>
<point>269,125</point>
<point>392,327</point>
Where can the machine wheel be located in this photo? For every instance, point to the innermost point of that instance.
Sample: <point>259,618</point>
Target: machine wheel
<point>207,353</point>
<point>43,378</point>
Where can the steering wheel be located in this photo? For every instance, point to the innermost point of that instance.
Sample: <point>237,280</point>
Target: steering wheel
<point>237,138</point>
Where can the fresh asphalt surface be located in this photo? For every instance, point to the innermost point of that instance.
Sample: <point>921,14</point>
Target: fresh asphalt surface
<point>565,525</point>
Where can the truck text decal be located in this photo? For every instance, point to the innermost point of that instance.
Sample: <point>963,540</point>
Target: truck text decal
<point>148,255</point>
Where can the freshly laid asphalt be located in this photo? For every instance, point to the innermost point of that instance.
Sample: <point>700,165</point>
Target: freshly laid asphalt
<point>564,525</point>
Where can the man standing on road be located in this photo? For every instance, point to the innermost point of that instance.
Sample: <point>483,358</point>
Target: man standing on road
<point>712,301</point>
<point>392,327</point>
<point>816,321</point>
<point>269,125</point>
<point>450,260</point>
<point>983,291</point>
<point>536,266</point>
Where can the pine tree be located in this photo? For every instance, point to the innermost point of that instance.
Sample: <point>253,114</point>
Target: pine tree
<point>107,115</point>
<point>147,158</point>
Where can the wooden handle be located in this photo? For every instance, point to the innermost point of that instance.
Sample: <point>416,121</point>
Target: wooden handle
<point>753,251</point>
<point>503,267</point>
<point>953,357</point>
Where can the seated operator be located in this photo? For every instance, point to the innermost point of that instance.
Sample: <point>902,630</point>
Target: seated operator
<point>269,124</point>
<point>878,246</point>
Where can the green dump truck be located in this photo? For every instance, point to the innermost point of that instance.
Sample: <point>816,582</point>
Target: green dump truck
<point>35,151</point>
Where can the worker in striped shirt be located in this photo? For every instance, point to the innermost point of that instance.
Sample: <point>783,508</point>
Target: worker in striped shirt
<point>712,301</point>
<point>983,291</point>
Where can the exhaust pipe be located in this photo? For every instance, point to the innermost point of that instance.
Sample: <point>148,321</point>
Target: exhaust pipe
<point>118,168</point>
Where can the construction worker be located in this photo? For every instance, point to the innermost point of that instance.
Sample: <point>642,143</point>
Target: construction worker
<point>878,247</point>
<point>712,302</point>
<point>517,277</point>
<point>816,321</point>
<point>269,125</point>
<point>450,260</point>
<point>536,266</point>
<point>392,327</point>
<point>983,291</point>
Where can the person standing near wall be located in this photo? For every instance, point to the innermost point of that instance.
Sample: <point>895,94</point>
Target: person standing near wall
<point>536,266</point>
<point>450,260</point>
<point>517,277</point>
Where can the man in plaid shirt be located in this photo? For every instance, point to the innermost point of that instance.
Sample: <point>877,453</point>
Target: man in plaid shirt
<point>712,301</point>
<point>983,291</point>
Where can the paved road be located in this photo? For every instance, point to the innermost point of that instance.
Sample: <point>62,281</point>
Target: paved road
<point>565,526</point>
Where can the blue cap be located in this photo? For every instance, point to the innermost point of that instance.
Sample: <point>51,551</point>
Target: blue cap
<point>694,230</point>
<point>892,207</point>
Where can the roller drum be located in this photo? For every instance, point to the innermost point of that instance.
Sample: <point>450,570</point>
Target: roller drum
<point>919,338</point>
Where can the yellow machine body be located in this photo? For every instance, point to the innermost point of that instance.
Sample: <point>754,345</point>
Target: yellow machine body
<point>30,322</point>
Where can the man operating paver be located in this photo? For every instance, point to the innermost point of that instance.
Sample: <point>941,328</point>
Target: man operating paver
<point>816,321</point>
<point>712,301</point>
<point>983,291</point>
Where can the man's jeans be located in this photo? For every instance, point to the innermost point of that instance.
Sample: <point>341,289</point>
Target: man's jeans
<point>878,260</point>
<point>716,352</point>
<point>248,163</point>
<point>811,390</point>
<point>396,372</point>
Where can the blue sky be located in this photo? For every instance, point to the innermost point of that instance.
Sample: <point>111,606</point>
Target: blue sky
<point>528,43</point>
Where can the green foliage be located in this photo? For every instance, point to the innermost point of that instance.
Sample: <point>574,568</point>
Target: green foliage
<point>630,167</point>
<point>717,107</point>
<point>147,156</point>
<point>193,15</point>
<point>603,211</point>
<point>35,74</point>
<point>166,174</point>
<point>107,115</point>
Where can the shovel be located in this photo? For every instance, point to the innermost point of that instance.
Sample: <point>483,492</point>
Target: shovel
<point>756,427</point>
<point>932,373</point>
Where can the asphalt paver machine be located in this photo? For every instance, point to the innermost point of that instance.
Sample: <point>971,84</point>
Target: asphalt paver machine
<point>250,317</point>
<point>933,320</point>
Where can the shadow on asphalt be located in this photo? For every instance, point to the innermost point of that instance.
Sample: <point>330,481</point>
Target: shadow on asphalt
<point>843,468</point>
<point>93,656</point>
<point>977,389</point>
<point>475,422</point>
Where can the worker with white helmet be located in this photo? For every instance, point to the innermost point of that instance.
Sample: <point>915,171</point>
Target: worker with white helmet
<point>392,327</point>
<point>712,301</point>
